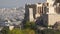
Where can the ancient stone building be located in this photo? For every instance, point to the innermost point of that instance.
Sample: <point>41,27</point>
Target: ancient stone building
<point>33,11</point>
<point>53,14</point>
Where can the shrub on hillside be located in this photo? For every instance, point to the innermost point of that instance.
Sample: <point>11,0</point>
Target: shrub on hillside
<point>17,31</point>
<point>50,31</point>
<point>30,25</point>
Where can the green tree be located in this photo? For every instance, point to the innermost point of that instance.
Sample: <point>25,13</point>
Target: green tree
<point>5,30</point>
<point>50,31</point>
<point>30,25</point>
<point>17,31</point>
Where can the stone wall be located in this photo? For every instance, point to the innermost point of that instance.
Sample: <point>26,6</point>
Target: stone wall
<point>53,18</point>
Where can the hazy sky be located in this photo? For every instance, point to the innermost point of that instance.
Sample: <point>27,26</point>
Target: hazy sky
<point>15,3</point>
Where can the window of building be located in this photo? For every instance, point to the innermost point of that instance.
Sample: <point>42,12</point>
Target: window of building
<point>40,10</point>
<point>57,10</point>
